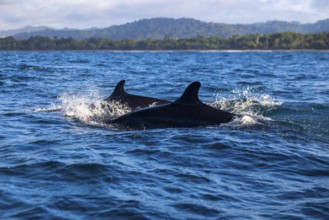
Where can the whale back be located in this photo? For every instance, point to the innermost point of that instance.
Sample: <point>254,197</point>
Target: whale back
<point>186,111</point>
<point>134,102</point>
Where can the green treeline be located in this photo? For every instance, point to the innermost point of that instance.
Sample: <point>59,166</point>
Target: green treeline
<point>279,41</point>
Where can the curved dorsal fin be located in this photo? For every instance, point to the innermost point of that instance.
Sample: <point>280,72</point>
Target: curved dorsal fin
<point>119,89</point>
<point>190,95</point>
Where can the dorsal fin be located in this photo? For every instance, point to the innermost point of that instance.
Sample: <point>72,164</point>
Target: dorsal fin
<point>190,95</point>
<point>119,89</point>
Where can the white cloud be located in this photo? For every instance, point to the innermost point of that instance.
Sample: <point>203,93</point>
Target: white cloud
<point>103,13</point>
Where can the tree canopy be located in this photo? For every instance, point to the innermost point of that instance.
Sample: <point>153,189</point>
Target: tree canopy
<point>278,41</point>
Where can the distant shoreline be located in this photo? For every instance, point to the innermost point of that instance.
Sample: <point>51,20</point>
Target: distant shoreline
<point>176,51</point>
<point>275,42</point>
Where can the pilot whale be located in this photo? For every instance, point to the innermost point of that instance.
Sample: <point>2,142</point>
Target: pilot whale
<point>186,111</point>
<point>133,102</point>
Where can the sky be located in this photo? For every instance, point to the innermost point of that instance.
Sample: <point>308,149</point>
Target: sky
<point>104,13</point>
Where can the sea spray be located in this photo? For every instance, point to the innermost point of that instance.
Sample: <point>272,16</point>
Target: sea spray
<point>248,104</point>
<point>90,107</point>
<point>50,108</point>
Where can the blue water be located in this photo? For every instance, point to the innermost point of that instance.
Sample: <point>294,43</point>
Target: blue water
<point>58,160</point>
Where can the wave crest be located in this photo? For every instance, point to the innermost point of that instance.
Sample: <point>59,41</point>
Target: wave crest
<point>51,108</point>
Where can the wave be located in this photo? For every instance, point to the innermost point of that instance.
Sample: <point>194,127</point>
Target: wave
<point>28,67</point>
<point>51,108</point>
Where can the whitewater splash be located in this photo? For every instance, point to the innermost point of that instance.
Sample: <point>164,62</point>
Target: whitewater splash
<point>250,105</point>
<point>90,107</point>
<point>51,108</point>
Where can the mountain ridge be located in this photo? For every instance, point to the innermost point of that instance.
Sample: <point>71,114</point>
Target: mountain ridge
<point>158,28</point>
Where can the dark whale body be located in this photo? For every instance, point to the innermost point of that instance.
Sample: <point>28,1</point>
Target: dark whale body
<point>134,102</point>
<point>186,111</point>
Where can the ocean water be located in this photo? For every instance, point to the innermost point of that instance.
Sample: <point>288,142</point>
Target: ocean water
<point>59,160</point>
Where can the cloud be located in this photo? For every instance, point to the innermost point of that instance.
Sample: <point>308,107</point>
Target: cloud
<point>103,13</point>
<point>321,4</point>
<point>321,7</point>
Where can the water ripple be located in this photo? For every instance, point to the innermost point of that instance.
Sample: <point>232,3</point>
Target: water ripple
<point>60,161</point>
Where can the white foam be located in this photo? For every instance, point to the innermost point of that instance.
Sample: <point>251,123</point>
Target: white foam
<point>90,108</point>
<point>248,104</point>
<point>52,108</point>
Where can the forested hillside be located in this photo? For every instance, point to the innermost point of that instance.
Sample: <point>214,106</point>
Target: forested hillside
<point>279,41</point>
<point>157,28</point>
